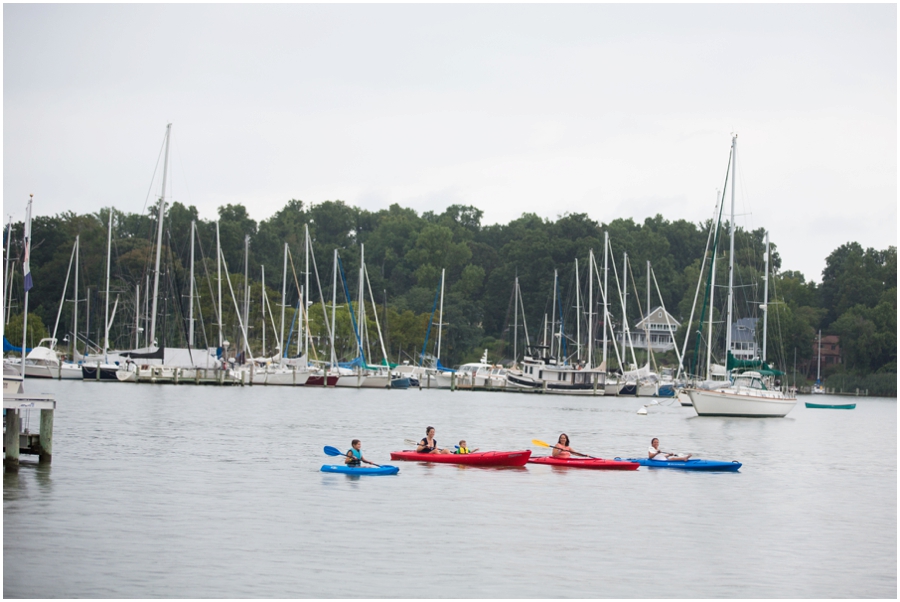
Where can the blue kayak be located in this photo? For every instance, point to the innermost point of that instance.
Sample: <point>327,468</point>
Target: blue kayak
<point>372,471</point>
<point>692,464</point>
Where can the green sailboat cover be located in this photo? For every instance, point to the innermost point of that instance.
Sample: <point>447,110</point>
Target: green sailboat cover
<point>757,365</point>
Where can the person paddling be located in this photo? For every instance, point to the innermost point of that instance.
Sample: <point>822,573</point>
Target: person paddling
<point>660,456</point>
<point>428,445</point>
<point>562,449</point>
<point>354,454</point>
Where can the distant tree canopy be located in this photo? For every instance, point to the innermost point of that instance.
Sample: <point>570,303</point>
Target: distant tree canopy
<point>405,254</point>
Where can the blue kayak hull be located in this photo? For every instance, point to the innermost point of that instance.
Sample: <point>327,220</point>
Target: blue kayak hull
<point>371,471</point>
<point>698,464</point>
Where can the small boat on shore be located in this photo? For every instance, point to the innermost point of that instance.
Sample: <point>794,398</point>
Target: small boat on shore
<point>489,458</point>
<point>593,463</point>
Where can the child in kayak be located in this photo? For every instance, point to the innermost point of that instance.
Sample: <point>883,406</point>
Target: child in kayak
<point>354,454</point>
<point>462,449</point>
<point>659,456</point>
<point>428,445</point>
<point>562,449</point>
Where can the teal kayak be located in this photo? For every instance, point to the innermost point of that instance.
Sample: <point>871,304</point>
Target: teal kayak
<point>694,464</point>
<point>372,471</point>
<point>832,406</point>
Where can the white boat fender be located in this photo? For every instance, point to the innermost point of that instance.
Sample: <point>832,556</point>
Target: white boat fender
<point>642,411</point>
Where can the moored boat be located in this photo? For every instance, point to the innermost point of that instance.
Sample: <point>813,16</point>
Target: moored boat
<point>831,406</point>
<point>593,463</point>
<point>489,458</point>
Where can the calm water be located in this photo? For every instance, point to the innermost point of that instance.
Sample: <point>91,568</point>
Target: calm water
<point>188,492</point>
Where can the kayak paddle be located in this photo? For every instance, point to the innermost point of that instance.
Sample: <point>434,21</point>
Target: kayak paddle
<point>333,451</point>
<point>540,443</point>
<point>415,443</point>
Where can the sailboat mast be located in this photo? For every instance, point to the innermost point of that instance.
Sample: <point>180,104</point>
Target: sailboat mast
<point>246,288</point>
<point>262,302</point>
<point>590,336</point>
<point>26,270</point>
<point>191,294</point>
<point>577,314</point>
<point>333,309</point>
<point>553,315</point>
<point>647,319</point>
<point>516,323</point>
<point>731,254</point>
<point>219,269</point>
<point>605,291</point>
<point>137,316</point>
<point>441,316</point>
<point>819,362</point>
<point>108,253</point>
<point>62,300</point>
<point>75,303</point>
<point>765,304</point>
<point>159,231</point>
<point>624,299</point>
<point>282,348</point>
<point>8,275</point>
<point>306,294</point>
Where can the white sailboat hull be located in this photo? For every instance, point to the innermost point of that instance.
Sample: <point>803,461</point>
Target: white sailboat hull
<point>728,402</point>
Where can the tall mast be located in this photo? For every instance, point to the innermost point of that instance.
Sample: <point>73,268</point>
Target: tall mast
<point>361,303</point>
<point>75,317</point>
<point>441,315</point>
<point>191,295</point>
<point>578,314</point>
<point>7,274</point>
<point>283,349</point>
<point>819,361</point>
<point>246,288</point>
<point>731,254</point>
<point>108,253</point>
<point>624,300</point>
<point>263,303</point>
<point>305,296</point>
<point>712,292</point>
<point>605,291</point>
<point>219,272</point>
<point>137,316</point>
<point>333,308</point>
<point>590,336</point>
<point>516,324</point>
<point>26,270</point>
<point>553,315</point>
<point>159,231</point>
<point>647,319</point>
<point>765,304</point>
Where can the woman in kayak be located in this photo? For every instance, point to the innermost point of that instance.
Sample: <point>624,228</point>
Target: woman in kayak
<point>428,445</point>
<point>562,449</point>
<point>659,456</point>
<point>354,454</point>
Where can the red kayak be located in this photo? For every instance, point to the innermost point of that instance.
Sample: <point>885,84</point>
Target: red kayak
<point>595,463</point>
<point>490,458</point>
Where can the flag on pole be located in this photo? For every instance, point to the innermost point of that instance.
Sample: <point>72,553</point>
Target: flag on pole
<point>27,262</point>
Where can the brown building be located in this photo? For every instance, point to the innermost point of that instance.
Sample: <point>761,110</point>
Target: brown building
<point>831,354</point>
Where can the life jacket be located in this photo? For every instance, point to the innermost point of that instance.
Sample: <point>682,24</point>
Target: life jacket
<point>357,455</point>
<point>462,450</point>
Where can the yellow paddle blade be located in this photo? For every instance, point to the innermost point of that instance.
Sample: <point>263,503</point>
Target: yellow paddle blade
<point>540,443</point>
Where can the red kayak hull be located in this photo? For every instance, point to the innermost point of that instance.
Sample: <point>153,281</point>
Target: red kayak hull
<point>491,458</point>
<point>596,464</point>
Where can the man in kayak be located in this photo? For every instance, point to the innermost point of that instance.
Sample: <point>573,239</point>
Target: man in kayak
<point>660,456</point>
<point>428,445</point>
<point>354,454</point>
<point>562,449</point>
<point>462,449</point>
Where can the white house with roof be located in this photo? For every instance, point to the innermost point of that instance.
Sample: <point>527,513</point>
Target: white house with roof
<point>743,339</point>
<point>659,326</point>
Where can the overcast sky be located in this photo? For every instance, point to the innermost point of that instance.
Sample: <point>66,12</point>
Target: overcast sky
<point>616,111</point>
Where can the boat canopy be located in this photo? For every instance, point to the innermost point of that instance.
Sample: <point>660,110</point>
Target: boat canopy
<point>7,346</point>
<point>757,365</point>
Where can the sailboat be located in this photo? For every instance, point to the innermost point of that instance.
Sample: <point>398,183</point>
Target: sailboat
<point>752,393</point>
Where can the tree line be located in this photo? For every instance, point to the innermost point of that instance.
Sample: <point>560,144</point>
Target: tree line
<point>405,253</point>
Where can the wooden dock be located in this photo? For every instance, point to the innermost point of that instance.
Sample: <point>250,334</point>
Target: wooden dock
<point>16,442</point>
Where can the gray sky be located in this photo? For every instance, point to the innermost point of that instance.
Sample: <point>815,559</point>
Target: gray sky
<point>611,110</point>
